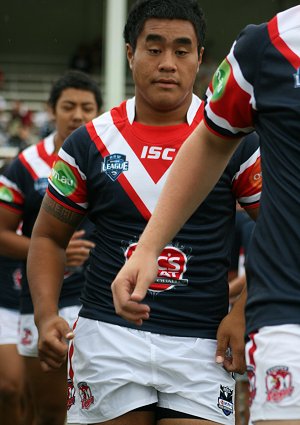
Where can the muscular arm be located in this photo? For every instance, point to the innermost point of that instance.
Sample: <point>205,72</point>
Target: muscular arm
<point>46,257</point>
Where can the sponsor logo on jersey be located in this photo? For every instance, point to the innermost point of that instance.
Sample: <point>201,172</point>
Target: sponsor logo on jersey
<point>225,402</point>
<point>86,397</point>
<point>114,165</point>
<point>297,79</point>
<point>220,79</point>
<point>71,394</point>
<point>6,194</point>
<point>40,185</point>
<point>171,267</point>
<point>63,178</point>
<point>252,383</point>
<point>158,152</point>
<point>278,383</point>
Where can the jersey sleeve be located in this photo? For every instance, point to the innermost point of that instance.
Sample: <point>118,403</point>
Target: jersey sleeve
<point>11,187</point>
<point>247,179</point>
<point>67,182</point>
<point>231,105</point>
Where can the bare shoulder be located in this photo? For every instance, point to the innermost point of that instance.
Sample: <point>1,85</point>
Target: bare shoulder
<point>60,212</point>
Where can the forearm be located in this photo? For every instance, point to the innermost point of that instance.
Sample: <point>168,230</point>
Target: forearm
<point>45,271</point>
<point>197,168</point>
<point>13,245</point>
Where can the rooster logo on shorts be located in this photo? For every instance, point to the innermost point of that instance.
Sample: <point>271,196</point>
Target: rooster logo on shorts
<point>251,383</point>
<point>27,336</point>
<point>278,383</point>
<point>71,394</point>
<point>86,397</point>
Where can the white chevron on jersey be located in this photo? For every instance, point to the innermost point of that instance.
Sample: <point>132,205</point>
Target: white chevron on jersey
<point>8,183</point>
<point>137,175</point>
<point>288,20</point>
<point>35,162</point>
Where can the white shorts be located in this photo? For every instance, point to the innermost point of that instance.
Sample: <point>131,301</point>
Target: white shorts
<point>9,326</point>
<point>114,370</point>
<point>273,366</point>
<point>28,336</point>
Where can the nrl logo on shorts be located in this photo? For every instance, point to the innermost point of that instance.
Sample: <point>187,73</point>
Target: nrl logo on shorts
<point>278,383</point>
<point>225,402</point>
<point>114,165</point>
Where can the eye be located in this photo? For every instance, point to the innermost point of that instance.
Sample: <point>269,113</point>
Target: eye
<point>154,51</point>
<point>181,53</point>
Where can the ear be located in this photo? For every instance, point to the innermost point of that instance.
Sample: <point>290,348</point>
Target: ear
<point>129,54</point>
<point>200,57</point>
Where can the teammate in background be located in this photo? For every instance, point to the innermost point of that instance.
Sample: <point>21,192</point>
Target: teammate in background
<point>75,99</point>
<point>163,372</point>
<point>256,87</point>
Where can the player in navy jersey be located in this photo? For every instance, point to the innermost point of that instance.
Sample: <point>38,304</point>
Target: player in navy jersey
<point>75,99</point>
<point>256,87</point>
<point>113,170</point>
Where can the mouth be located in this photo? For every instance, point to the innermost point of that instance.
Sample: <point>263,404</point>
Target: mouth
<point>166,83</point>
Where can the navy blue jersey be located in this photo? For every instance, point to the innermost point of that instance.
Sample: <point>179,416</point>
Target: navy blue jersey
<point>258,87</point>
<point>22,188</point>
<point>10,283</point>
<point>113,169</point>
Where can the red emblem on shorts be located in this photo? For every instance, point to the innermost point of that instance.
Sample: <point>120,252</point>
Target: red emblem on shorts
<point>86,396</point>
<point>17,278</point>
<point>251,383</point>
<point>171,267</point>
<point>278,383</point>
<point>27,336</point>
<point>71,394</point>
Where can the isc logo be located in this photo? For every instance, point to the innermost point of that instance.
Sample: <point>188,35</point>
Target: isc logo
<point>157,152</point>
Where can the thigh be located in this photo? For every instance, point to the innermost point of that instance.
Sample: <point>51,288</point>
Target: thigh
<point>11,366</point>
<point>186,422</point>
<point>272,356</point>
<point>48,390</point>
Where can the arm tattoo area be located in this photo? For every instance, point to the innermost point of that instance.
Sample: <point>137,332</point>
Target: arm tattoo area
<point>61,213</point>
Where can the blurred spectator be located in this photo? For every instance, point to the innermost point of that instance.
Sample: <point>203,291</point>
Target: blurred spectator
<point>3,133</point>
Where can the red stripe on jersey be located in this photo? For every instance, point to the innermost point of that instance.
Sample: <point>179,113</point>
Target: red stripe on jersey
<point>236,109</point>
<point>121,179</point>
<point>281,45</point>
<point>10,208</point>
<point>249,182</point>
<point>49,159</point>
<point>28,166</point>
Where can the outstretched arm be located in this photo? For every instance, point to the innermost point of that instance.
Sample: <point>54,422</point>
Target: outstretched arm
<point>45,269</point>
<point>196,169</point>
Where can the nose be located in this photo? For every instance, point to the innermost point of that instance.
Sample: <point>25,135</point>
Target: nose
<point>167,62</point>
<point>78,114</point>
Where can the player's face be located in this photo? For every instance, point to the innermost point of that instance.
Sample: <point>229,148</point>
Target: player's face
<point>164,67</point>
<point>74,108</point>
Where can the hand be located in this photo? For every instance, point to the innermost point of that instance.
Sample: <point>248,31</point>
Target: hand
<point>78,250</point>
<point>52,346</point>
<point>130,287</point>
<point>231,343</point>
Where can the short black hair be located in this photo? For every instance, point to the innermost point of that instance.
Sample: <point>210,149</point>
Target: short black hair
<point>77,80</point>
<point>142,10</point>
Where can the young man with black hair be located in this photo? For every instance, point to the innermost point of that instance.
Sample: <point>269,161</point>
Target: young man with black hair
<point>163,372</point>
<point>75,99</point>
<point>257,87</point>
